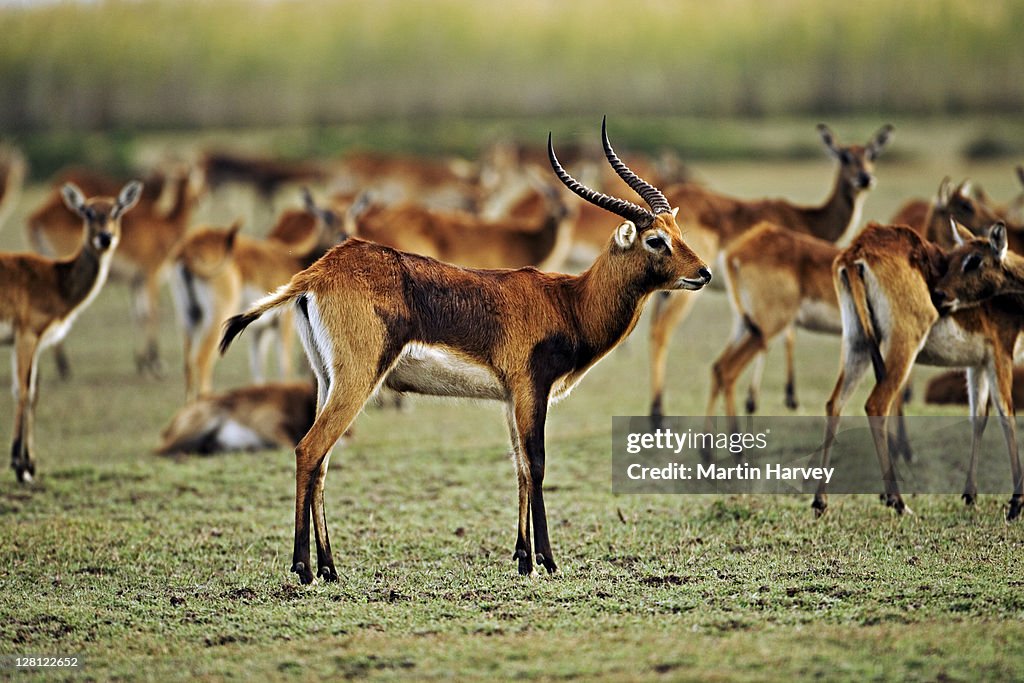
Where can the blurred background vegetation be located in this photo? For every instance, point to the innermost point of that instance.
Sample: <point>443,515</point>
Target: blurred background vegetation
<point>82,80</point>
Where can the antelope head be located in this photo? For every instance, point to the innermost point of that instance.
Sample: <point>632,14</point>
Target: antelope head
<point>648,244</point>
<point>979,268</point>
<point>857,162</point>
<point>101,215</point>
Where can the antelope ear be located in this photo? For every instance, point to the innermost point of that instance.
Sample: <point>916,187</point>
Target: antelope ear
<point>828,138</point>
<point>73,198</point>
<point>625,235</point>
<point>880,140</point>
<point>675,212</point>
<point>942,196</point>
<point>997,240</point>
<point>128,198</point>
<point>961,235</point>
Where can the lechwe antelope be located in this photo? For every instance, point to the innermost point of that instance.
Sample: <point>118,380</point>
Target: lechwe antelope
<point>216,272</point>
<point>40,298</point>
<point>148,236</point>
<point>258,417</point>
<point>885,282</point>
<point>369,315</point>
<point>778,280</point>
<point>712,221</point>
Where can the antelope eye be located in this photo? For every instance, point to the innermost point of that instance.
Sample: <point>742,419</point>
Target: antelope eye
<point>656,243</point>
<point>845,157</point>
<point>972,262</point>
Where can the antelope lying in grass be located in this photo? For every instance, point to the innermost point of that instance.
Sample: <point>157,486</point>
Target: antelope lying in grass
<point>265,416</point>
<point>950,388</point>
<point>370,315</point>
<point>40,298</point>
<point>149,235</point>
<point>216,272</point>
<point>885,282</point>
<point>712,221</point>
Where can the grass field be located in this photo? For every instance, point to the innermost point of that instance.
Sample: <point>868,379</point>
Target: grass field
<point>156,568</point>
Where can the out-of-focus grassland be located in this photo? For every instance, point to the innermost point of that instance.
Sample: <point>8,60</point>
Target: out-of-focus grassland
<point>157,63</point>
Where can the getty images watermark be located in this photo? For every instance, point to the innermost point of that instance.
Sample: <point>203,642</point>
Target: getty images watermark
<point>783,455</point>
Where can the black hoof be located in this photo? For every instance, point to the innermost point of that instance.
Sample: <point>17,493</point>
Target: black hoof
<point>751,406</point>
<point>24,473</point>
<point>305,575</point>
<point>525,565</point>
<point>656,414</point>
<point>969,498</point>
<point>1015,507</point>
<point>328,574</point>
<point>819,506</point>
<point>547,563</point>
<point>896,503</point>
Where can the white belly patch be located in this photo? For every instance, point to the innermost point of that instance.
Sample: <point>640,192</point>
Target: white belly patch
<point>440,371</point>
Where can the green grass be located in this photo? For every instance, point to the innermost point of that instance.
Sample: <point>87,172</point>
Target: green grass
<point>156,568</point>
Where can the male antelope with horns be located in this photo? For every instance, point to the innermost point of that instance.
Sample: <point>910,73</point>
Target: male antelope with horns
<point>369,315</point>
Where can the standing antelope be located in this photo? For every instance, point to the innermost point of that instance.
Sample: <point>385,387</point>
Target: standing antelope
<point>370,315</point>
<point>148,237</point>
<point>779,279</point>
<point>40,298</point>
<point>712,221</point>
<point>885,282</point>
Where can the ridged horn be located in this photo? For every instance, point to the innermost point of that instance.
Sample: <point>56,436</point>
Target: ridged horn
<point>652,195</point>
<point>640,216</point>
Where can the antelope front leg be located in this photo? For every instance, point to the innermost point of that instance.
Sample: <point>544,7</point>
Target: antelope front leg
<point>978,396</point>
<point>1001,377</point>
<point>531,416</point>
<point>146,294</point>
<point>25,382</point>
<point>669,310</point>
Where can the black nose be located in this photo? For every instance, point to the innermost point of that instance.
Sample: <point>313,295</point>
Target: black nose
<point>864,179</point>
<point>939,299</point>
<point>105,239</point>
<point>705,274</point>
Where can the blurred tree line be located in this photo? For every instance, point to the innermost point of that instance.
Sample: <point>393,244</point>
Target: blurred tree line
<point>142,64</point>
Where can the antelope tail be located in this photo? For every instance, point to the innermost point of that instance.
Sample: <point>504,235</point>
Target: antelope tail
<point>236,324</point>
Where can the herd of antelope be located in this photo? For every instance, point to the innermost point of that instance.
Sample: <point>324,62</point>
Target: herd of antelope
<point>438,278</point>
